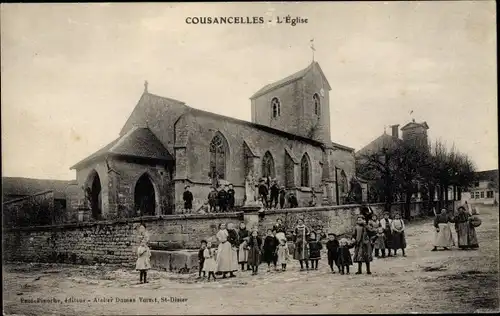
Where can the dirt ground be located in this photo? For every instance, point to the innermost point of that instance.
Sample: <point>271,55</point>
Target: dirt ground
<point>424,281</point>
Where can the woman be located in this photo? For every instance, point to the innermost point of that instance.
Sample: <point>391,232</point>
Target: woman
<point>243,249</point>
<point>475,221</point>
<point>224,252</point>
<point>442,237</point>
<point>463,228</point>
<point>233,240</point>
<point>363,246</point>
<point>301,251</point>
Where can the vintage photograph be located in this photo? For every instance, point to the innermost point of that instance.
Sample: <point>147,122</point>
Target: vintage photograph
<point>249,158</point>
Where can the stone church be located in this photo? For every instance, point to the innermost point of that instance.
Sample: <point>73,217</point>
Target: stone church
<point>166,145</point>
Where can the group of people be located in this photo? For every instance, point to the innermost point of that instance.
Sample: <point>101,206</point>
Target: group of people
<point>466,220</point>
<point>218,200</point>
<point>270,193</point>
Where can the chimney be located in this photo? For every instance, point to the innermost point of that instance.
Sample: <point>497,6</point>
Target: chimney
<point>395,130</point>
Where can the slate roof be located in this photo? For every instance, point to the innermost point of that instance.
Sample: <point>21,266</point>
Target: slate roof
<point>487,175</point>
<point>412,124</point>
<point>384,140</point>
<point>18,187</point>
<point>137,142</point>
<point>294,77</point>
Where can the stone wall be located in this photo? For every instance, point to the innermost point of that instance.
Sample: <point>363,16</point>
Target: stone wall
<point>37,209</point>
<point>109,241</point>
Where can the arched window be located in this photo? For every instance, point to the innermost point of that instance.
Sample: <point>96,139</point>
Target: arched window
<point>144,196</point>
<point>268,166</point>
<point>305,172</point>
<point>275,107</point>
<point>317,104</point>
<point>218,151</point>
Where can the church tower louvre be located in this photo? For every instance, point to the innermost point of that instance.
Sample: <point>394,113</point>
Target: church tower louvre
<point>298,104</point>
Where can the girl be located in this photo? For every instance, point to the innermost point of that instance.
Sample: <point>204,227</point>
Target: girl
<point>344,259</point>
<point>301,251</point>
<point>254,246</point>
<point>224,252</point>
<point>283,254</point>
<point>242,250</point>
<point>386,223</point>
<point>363,246</point>
<point>379,242</point>
<point>269,249</point>
<point>143,263</point>
<point>209,265</point>
<point>333,246</point>
<point>398,234</point>
<point>314,250</point>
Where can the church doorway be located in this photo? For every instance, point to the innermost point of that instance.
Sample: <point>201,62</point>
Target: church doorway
<point>144,197</point>
<point>94,195</point>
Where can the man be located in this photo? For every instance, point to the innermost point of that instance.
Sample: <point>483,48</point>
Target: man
<point>230,197</point>
<point>188,199</point>
<point>275,191</point>
<point>222,200</point>
<point>263,193</point>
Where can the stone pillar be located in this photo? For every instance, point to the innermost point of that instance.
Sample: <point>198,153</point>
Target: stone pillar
<point>113,189</point>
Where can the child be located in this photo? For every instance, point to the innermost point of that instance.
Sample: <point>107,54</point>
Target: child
<point>209,264</point>
<point>344,259</point>
<point>332,245</point>
<point>283,254</point>
<point>379,242</point>
<point>363,246</point>
<point>243,254</point>
<point>212,199</point>
<point>398,234</point>
<point>315,247</point>
<point>269,249</point>
<point>254,246</point>
<point>143,264</point>
<point>201,258</point>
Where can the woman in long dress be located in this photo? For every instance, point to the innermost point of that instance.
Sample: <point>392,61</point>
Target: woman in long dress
<point>235,244</point>
<point>442,237</point>
<point>363,245</point>
<point>398,234</point>
<point>301,251</point>
<point>467,237</point>
<point>224,252</point>
<point>474,221</point>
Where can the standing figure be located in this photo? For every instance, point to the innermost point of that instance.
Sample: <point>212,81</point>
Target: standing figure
<point>201,258</point>
<point>243,235</point>
<point>212,199</point>
<point>363,246</point>
<point>312,202</point>
<point>275,191</point>
<point>292,201</point>
<point>280,229</point>
<point>379,243</point>
<point>263,193</point>
<point>344,259</point>
<point>235,244</point>
<point>398,234</point>
<point>254,251</point>
<point>282,194</point>
<point>315,247</point>
<point>442,236</point>
<point>386,224</point>
<point>474,221</point>
<point>230,198</point>
<point>188,199</point>
<point>332,245</point>
<point>143,263</point>
<point>283,254</point>
<point>269,250</point>
<point>224,252</point>
<point>222,200</point>
<point>372,227</point>
<point>463,228</point>
<point>301,251</point>
<point>209,264</point>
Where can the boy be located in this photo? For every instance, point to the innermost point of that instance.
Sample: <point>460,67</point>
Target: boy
<point>201,258</point>
<point>188,199</point>
<point>212,199</point>
<point>333,246</point>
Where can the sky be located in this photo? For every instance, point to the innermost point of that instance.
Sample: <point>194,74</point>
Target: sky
<point>71,74</point>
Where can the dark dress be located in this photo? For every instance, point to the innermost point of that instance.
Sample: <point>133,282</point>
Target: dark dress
<point>292,201</point>
<point>275,190</point>
<point>188,200</point>
<point>254,246</point>
<point>269,250</point>
<point>263,193</point>
<point>315,250</point>
<point>332,246</point>
<point>212,199</point>
<point>363,246</point>
<point>282,198</point>
<point>222,200</point>
<point>201,258</point>
<point>344,256</point>
<point>230,199</point>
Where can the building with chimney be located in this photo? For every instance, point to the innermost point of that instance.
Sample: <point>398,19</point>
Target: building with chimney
<point>166,145</point>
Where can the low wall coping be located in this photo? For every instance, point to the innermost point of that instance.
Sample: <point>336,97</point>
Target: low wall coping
<point>127,221</point>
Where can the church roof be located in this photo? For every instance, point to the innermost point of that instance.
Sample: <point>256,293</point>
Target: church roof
<point>413,124</point>
<point>137,142</point>
<point>294,77</point>
<point>377,144</point>
<point>17,186</point>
